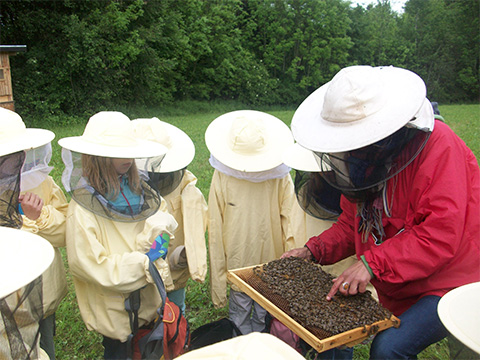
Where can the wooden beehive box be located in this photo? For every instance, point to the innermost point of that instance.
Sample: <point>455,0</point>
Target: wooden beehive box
<point>319,339</point>
<point>6,91</point>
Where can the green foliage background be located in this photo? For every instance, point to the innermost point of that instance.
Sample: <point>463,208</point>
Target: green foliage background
<point>86,56</point>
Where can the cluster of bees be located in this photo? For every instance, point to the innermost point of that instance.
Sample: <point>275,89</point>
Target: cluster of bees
<point>304,286</point>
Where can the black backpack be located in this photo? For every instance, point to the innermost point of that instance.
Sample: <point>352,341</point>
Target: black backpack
<point>213,332</point>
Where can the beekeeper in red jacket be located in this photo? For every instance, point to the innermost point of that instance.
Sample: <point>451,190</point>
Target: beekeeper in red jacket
<point>410,199</point>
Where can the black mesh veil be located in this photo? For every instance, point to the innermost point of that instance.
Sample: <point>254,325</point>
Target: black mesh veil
<point>360,174</point>
<point>317,197</point>
<point>22,310</point>
<point>88,197</point>
<point>10,168</point>
<point>21,313</point>
<point>165,183</point>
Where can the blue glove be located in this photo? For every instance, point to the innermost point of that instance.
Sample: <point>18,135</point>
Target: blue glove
<point>159,247</point>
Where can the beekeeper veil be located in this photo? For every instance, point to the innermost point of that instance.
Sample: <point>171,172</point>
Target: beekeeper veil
<point>366,125</point>
<point>165,176</point>
<point>10,167</point>
<point>36,167</point>
<point>15,139</point>
<point>314,195</point>
<point>21,305</point>
<point>91,179</point>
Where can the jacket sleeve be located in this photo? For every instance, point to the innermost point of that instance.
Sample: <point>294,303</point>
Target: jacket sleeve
<point>51,222</point>
<point>218,266</point>
<point>337,242</point>
<point>90,261</point>
<point>287,203</point>
<point>161,222</point>
<point>194,210</point>
<point>435,220</point>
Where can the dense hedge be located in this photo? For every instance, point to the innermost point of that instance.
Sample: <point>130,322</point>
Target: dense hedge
<point>85,56</point>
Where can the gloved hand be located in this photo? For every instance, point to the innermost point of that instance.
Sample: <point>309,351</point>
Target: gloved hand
<point>159,247</point>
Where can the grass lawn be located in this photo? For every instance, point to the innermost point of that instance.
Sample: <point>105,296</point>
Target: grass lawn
<point>73,341</point>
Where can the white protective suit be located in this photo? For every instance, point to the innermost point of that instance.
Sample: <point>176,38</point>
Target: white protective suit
<point>189,208</point>
<point>51,226</point>
<point>248,224</point>
<point>304,226</point>
<point>107,261</point>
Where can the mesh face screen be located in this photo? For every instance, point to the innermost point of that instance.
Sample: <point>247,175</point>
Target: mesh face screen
<point>317,197</point>
<point>10,167</point>
<point>359,173</point>
<point>165,183</point>
<point>89,198</point>
<point>20,315</point>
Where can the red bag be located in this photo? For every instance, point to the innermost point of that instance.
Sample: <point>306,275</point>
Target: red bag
<point>167,338</point>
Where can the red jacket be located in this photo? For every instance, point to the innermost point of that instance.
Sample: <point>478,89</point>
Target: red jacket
<point>437,202</point>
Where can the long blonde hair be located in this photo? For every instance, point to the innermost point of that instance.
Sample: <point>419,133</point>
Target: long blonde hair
<point>103,177</point>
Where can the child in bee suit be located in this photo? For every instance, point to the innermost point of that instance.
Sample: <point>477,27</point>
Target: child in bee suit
<point>21,307</point>
<point>44,207</point>
<point>116,225</point>
<point>187,253</point>
<point>251,196</point>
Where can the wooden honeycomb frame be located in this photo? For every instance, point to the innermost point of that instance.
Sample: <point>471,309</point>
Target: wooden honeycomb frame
<point>319,339</point>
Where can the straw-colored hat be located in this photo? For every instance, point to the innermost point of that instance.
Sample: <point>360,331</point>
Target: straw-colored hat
<point>14,136</point>
<point>23,257</point>
<point>248,140</point>
<point>111,134</point>
<point>181,149</point>
<point>360,106</point>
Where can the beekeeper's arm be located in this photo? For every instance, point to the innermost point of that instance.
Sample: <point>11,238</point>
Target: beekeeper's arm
<point>90,261</point>
<point>51,222</point>
<point>194,210</point>
<point>164,225</point>
<point>218,264</point>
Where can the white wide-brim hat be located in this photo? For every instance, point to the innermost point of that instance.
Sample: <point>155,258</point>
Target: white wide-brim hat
<point>23,257</point>
<point>299,158</point>
<point>459,311</point>
<point>181,149</point>
<point>248,140</point>
<point>358,107</point>
<point>111,134</point>
<point>253,346</point>
<point>14,136</point>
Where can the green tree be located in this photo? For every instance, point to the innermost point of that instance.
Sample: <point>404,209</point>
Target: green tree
<point>301,43</point>
<point>376,35</point>
<point>444,35</point>
<point>78,53</point>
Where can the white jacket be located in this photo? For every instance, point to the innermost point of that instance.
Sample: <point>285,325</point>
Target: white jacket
<point>107,261</point>
<point>248,224</point>
<point>51,226</point>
